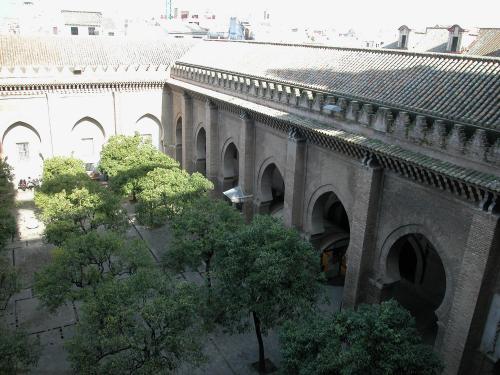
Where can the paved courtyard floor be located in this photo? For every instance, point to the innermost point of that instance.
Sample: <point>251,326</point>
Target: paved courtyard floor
<point>227,354</point>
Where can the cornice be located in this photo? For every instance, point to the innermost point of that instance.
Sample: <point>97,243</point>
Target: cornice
<point>469,141</point>
<point>481,189</point>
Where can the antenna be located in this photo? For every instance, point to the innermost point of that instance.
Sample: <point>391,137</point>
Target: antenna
<point>168,9</point>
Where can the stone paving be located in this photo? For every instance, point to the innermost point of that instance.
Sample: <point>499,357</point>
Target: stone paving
<point>227,354</point>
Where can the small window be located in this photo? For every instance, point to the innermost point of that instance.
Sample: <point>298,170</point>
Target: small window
<point>403,41</point>
<point>74,30</point>
<point>92,31</point>
<point>454,44</point>
<point>147,138</point>
<point>111,33</point>
<point>23,151</point>
<point>54,30</point>
<point>87,147</point>
<point>89,167</point>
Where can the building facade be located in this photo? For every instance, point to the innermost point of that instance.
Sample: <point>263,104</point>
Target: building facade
<point>388,161</point>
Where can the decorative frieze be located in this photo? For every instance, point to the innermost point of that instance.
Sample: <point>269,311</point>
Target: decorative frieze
<point>403,125</point>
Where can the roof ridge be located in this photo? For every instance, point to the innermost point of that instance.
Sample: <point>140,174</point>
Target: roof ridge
<point>371,50</point>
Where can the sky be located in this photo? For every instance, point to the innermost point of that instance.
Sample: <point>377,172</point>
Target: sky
<point>362,15</point>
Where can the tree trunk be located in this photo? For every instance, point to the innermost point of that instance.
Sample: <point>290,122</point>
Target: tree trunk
<point>207,272</point>
<point>262,359</point>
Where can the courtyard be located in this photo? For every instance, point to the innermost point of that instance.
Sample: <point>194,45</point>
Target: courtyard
<point>227,354</point>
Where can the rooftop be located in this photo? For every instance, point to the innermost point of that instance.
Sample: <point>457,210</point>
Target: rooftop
<point>452,87</point>
<point>81,18</point>
<point>54,51</point>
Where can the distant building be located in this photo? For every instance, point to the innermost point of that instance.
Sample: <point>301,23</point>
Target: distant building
<point>81,22</point>
<point>449,39</point>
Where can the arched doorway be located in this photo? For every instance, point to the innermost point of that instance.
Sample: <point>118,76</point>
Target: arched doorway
<point>201,152</point>
<point>272,191</point>
<point>87,141</point>
<point>418,281</point>
<point>330,233</point>
<point>149,127</point>
<point>178,141</point>
<point>230,167</point>
<point>21,147</point>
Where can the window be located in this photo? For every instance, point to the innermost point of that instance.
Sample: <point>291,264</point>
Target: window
<point>74,30</point>
<point>403,41</point>
<point>454,44</point>
<point>89,167</point>
<point>147,138</point>
<point>92,31</point>
<point>54,30</point>
<point>23,151</point>
<point>87,147</point>
<point>111,33</point>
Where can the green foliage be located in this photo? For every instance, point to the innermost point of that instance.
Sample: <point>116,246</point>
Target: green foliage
<point>274,269</point>
<point>83,262</point>
<point>9,283</point>
<point>268,271</point>
<point>145,324</point>
<point>6,187</point>
<point>199,230</point>
<point>8,227</point>
<point>63,173</point>
<point>375,339</point>
<point>164,192</point>
<point>18,351</point>
<point>61,165</point>
<point>80,210</point>
<point>125,159</point>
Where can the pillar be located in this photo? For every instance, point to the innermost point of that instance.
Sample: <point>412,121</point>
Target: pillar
<point>167,122</point>
<point>247,160</point>
<point>212,156</point>
<point>479,259</point>
<point>361,249</point>
<point>294,179</point>
<point>187,133</point>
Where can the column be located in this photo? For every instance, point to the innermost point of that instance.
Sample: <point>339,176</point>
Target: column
<point>363,227</point>
<point>294,179</point>
<point>167,122</point>
<point>212,156</point>
<point>187,133</point>
<point>247,161</point>
<point>480,256</point>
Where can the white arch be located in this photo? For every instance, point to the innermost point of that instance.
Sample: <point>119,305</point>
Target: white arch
<point>22,149</point>
<point>149,126</point>
<point>87,139</point>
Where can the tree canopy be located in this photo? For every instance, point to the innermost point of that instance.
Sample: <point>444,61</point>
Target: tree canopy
<point>199,230</point>
<point>63,173</point>
<point>83,262</point>
<point>144,324</point>
<point>267,271</point>
<point>125,159</point>
<point>375,339</point>
<point>164,192</point>
<point>17,350</point>
<point>79,210</point>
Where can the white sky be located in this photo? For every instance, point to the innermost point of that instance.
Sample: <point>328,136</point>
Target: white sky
<point>362,15</point>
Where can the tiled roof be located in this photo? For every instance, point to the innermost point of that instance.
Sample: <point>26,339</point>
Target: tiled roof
<point>450,87</point>
<point>487,43</point>
<point>81,18</point>
<point>21,51</point>
<point>466,175</point>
